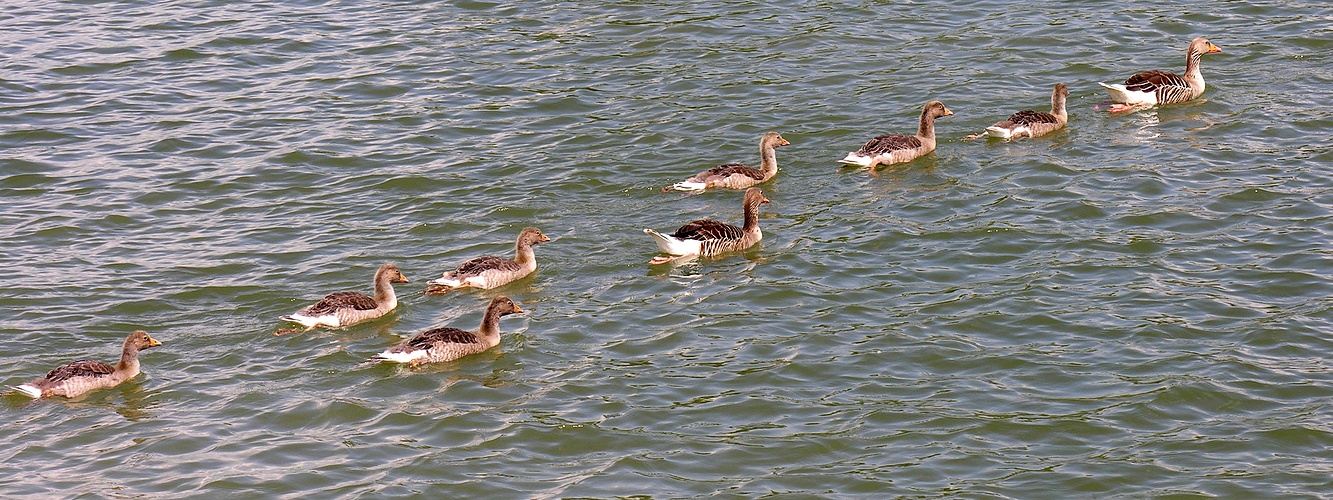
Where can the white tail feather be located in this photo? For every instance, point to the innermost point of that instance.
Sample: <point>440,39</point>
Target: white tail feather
<point>1118,93</point>
<point>28,390</point>
<point>398,357</point>
<point>673,245</point>
<point>855,159</point>
<point>329,320</point>
<point>303,320</point>
<point>1000,132</point>
<point>689,186</point>
<point>449,282</point>
<point>663,242</point>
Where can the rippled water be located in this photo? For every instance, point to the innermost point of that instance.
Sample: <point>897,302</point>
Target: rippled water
<point>1138,306</point>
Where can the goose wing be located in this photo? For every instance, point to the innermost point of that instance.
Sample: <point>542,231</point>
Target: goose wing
<point>730,169</point>
<point>889,143</point>
<point>480,265</point>
<point>1030,117</point>
<point>708,230</point>
<point>1155,80</point>
<point>80,368</point>
<point>341,300</point>
<point>429,338</point>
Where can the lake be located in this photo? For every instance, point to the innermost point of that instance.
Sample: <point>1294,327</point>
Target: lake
<point>1137,306</point>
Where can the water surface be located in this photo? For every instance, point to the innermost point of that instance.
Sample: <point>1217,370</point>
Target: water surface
<point>1137,306</point>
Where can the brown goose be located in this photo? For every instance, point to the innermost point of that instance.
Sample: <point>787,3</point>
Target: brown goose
<point>337,310</point>
<point>898,148</point>
<point>707,238</point>
<point>1151,88</point>
<point>1029,123</point>
<point>490,272</point>
<point>735,175</point>
<point>83,376</point>
<point>447,344</point>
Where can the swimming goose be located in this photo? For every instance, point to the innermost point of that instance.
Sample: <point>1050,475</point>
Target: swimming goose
<point>490,272</point>
<point>735,175</point>
<point>83,376</point>
<point>337,310</point>
<point>706,238</point>
<point>447,344</point>
<point>1029,123</point>
<point>898,148</point>
<point>1151,88</point>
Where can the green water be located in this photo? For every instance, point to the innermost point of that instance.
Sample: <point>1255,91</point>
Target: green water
<point>1136,307</point>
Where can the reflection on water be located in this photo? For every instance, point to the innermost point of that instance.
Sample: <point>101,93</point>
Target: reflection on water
<point>129,399</point>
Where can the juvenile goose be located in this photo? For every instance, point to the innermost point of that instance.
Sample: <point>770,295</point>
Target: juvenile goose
<point>707,238</point>
<point>898,148</point>
<point>736,175</point>
<point>490,272</point>
<point>447,344</point>
<point>83,376</point>
<point>1029,123</point>
<point>337,310</point>
<point>1151,88</point>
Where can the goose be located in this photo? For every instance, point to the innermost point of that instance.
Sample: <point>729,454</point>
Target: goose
<point>447,344</point>
<point>898,148</point>
<point>490,272</point>
<point>341,309</point>
<point>735,175</point>
<point>706,238</point>
<point>1029,123</point>
<point>83,376</point>
<point>1151,88</point>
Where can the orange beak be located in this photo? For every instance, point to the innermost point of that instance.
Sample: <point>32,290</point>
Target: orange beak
<point>518,309</point>
<point>1213,49</point>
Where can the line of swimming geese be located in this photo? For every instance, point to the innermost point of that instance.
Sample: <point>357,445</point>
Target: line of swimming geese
<point>700,238</point>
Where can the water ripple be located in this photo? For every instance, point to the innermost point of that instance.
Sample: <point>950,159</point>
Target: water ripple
<point>1131,307</point>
